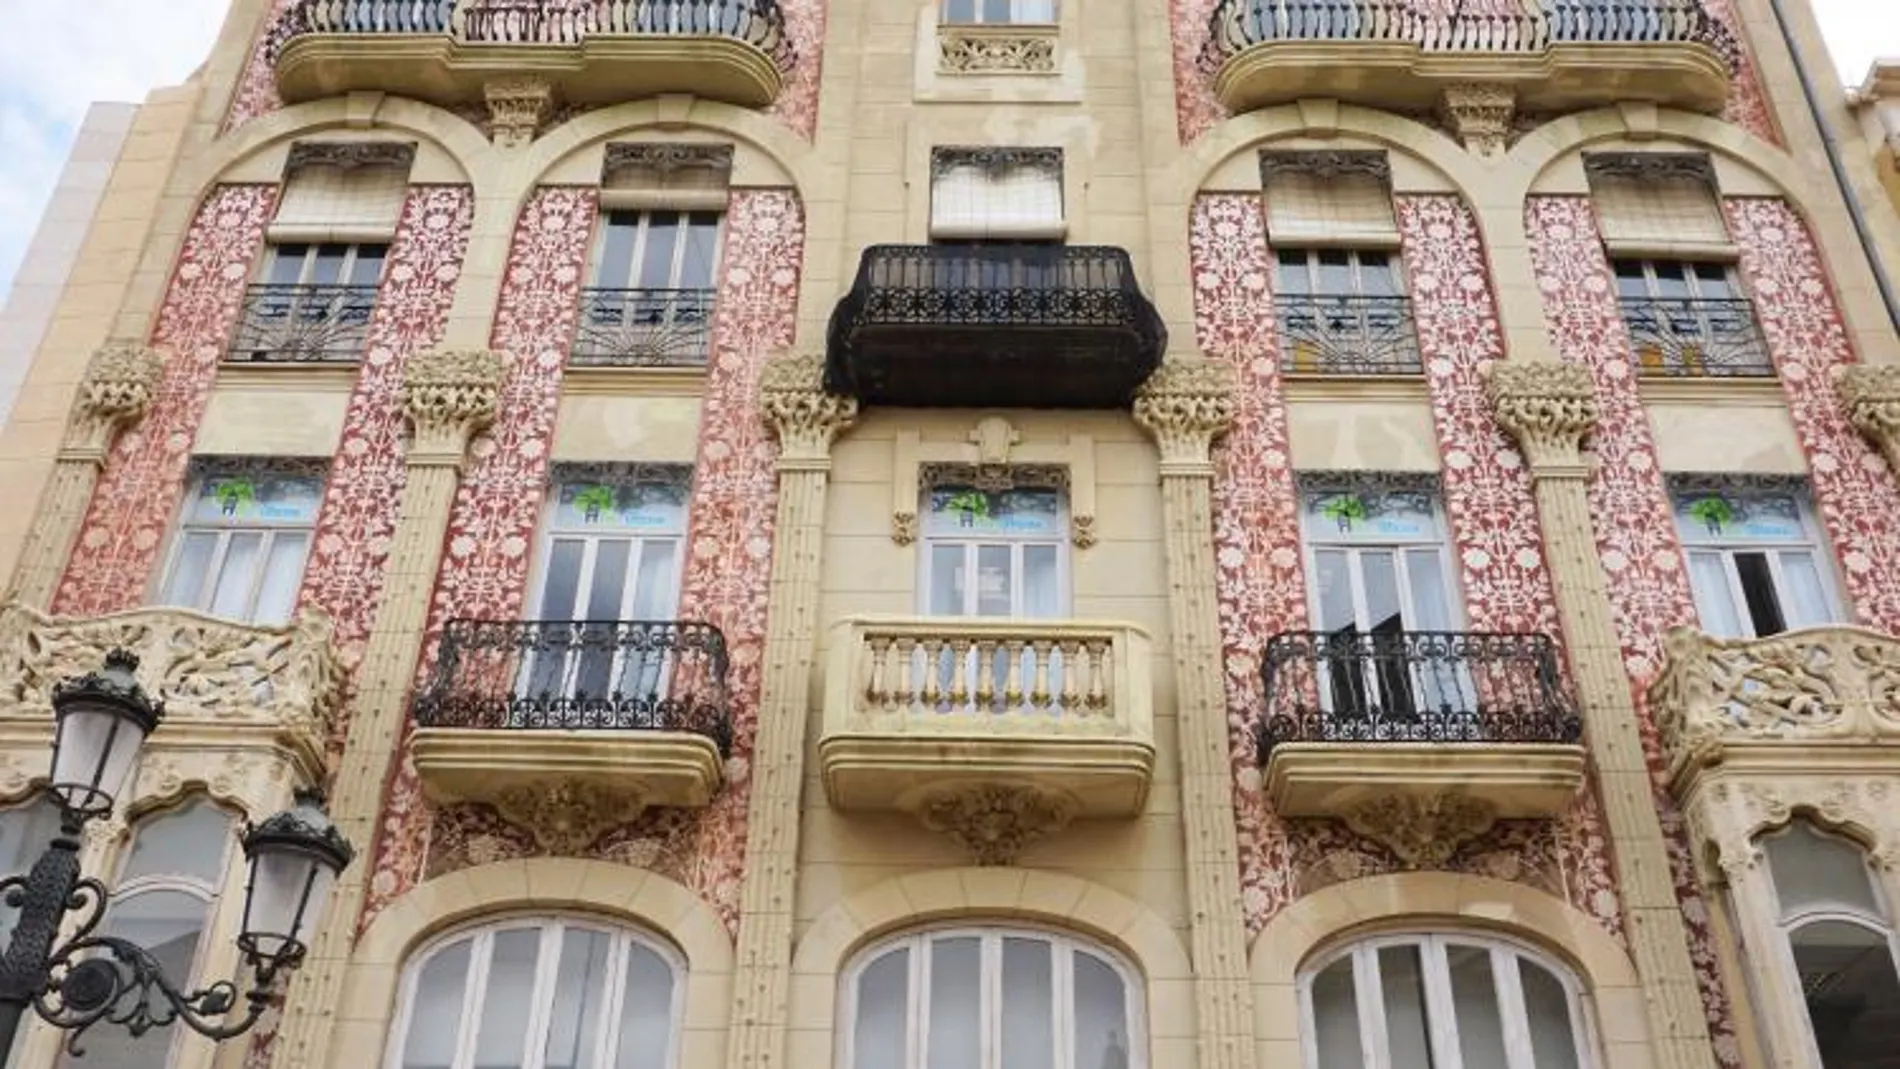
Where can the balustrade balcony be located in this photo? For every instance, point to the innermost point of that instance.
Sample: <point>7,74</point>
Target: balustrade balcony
<point>1347,335</point>
<point>643,328</point>
<point>1356,723</point>
<point>920,712</point>
<point>1684,337</point>
<point>1567,56</point>
<point>599,52</point>
<point>302,324</point>
<point>529,716</point>
<point>1026,326</point>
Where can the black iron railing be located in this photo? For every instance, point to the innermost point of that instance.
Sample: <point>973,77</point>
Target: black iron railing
<point>1347,335</point>
<point>758,22</point>
<point>1696,337</point>
<point>643,328</point>
<point>1237,25</point>
<point>372,16</point>
<point>587,675</point>
<point>1414,686</point>
<point>302,324</point>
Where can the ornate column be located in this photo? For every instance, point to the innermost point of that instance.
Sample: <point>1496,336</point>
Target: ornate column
<point>805,419</point>
<point>1186,406</point>
<point>1549,407</point>
<point>115,394</point>
<point>1872,393</point>
<point>448,397</point>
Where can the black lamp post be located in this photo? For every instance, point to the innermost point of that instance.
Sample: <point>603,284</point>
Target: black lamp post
<point>101,720</point>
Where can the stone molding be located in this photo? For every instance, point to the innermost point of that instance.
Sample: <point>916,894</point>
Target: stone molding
<point>115,393</point>
<point>351,155</point>
<point>1872,395</point>
<point>1547,407</point>
<point>803,416</point>
<point>516,109</point>
<point>993,457</point>
<point>997,49</point>
<point>450,395</point>
<point>1481,113</point>
<point>1186,406</point>
<point>995,821</point>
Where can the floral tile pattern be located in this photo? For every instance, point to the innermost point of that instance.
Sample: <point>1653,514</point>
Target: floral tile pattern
<point>256,92</point>
<point>1748,105</point>
<point>344,577</point>
<point>1853,490</point>
<point>138,492</point>
<point>1642,558</point>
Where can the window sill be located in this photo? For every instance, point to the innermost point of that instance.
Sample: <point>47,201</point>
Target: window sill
<point>1320,386</point>
<point>1748,390</point>
<point>610,381</point>
<point>289,374</point>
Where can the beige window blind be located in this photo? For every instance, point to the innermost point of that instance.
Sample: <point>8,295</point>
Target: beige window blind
<point>1658,204</point>
<point>343,192</point>
<point>1000,194</point>
<point>1329,198</point>
<point>666,176</point>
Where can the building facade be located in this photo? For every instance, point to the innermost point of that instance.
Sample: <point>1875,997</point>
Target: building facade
<point>977,534</point>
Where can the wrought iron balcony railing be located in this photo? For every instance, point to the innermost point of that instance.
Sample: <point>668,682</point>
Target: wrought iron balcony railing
<point>1237,25</point>
<point>1414,687</point>
<point>1347,335</point>
<point>303,324</point>
<point>1696,337</point>
<point>585,675</point>
<point>1047,326</point>
<point>643,328</point>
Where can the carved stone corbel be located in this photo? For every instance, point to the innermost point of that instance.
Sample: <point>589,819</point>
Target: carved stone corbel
<point>804,417</point>
<point>116,393</point>
<point>450,395</point>
<point>516,109</point>
<point>1480,113</point>
<point>1423,830</point>
<point>1548,407</point>
<point>1872,394</point>
<point>1186,406</point>
<point>996,821</point>
<point>566,817</point>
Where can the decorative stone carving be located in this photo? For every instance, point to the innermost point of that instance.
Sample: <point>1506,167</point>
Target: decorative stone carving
<point>1652,166</point>
<point>996,50</point>
<point>566,817</point>
<point>994,460</point>
<point>1423,830</point>
<point>658,160</point>
<point>995,160</point>
<point>449,396</point>
<point>351,155</point>
<point>795,405</point>
<point>258,782</point>
<point>995,821</point>
<point>1733,815</point>
<point>1872,394</point>
<point>904,527</point>
<point>516,109</point>
<point>1082,531</point>
<point>1186,405</point>
<point>1547,406</point>
<point>1480,113</point>
<point>116,393</point>
<point>1356,163</point>
<point>993,437</point>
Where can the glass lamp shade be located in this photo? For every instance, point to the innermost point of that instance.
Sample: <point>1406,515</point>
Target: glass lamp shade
<point>295,857</point>
<point>101,720</point>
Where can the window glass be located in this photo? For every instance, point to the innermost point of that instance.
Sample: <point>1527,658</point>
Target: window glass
<point>1849,983</point>
<point>1335,1023</point>
<point>241,549</point>
<point>956,1004</point>
<point>1547,1008</point>
<point>1028,1010</point>
<point>189,842</point>
<point>1814,872</point>
<point>1101,1014</point>
<point>1402,975</point>
<point>1754,556</point>
<point>25,832</point>
<point>1013,542</point>
<point>879,1028</point>
<point>1474,998</point>
<point>435,1017</point>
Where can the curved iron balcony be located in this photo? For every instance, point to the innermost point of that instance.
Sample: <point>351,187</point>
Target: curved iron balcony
<point>968,326</point>
<point>602,52</point>
<point>302,324</point>
<point>1696,337</point>
<point>1570,55</point>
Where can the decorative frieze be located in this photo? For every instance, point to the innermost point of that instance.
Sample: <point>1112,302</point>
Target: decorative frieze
<point>996,821</point>
<point>1328,164</point>
<point>351,155</point>
<point>449,395</point>
<point>634,160</point>
<point>516,109</point>
<point>997,49</point>
<point>995,160</point>
<point>1652,167</point>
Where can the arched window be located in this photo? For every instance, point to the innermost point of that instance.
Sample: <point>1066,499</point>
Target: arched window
<point>539,993</point>
<point>990,998</point>
<point>1445,1001</point>
<point>1842,941</point>
<point>164,900</point>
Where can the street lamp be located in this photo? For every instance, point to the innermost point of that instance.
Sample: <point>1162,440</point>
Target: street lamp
<point>100,722</point>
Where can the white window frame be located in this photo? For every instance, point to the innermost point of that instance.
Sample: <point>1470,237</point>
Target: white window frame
<point>1394,268</point>
<point>551,927</point>
<point>1813,545</point>
<point>929,542</point>
<point>1440,1013</point>
<point>183,527</point>
<point>345,275</point>
<point>1062,987</point>
<point>643,230</point>
<point>1353,547</point>
<point>1019,12</point>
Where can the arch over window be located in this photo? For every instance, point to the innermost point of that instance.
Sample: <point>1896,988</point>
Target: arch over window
<point>1445,1000</point>
<point>539,993</point>
<point>990,998</point>
<point>1841,939</point>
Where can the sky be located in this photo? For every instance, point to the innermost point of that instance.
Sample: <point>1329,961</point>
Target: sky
<point>57,56</point>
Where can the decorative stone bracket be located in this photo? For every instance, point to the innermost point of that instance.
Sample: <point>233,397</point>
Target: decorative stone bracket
<point>516,109</point>
<point>1547,407</point>
<point>450,395</point>
<point>1480,113</point>
<point>116,392</point>
<point>805,419</point>
<point>995,821</point>
<point>992,457</point>
<point>1186,406</point>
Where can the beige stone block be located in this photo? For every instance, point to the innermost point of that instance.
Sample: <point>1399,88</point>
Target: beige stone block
<point>370,993</point>
<point>355,1044</point>
<point>708,1000</point>
<point>702,1048</point>
<point>812,998</point>
<point>934,894</point>
<point>994,888</point>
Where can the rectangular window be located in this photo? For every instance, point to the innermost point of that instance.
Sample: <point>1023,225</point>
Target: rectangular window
<point>1689,317</point>
<point>996,194</point>
<point>651,298</point>
<point>1756,564</point>
<point>241,548</point>
<point>996,553</point>
<point>1344,311</point>
<point>1031,12</point>
<point>312,301</point>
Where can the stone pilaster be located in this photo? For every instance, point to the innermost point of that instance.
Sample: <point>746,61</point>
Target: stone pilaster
<point>448,396</point>
<point>1186,406</point>
<point>1549,408</point>
<point>1872,394</point>
<point>116,393</point>
<point>805,419</point>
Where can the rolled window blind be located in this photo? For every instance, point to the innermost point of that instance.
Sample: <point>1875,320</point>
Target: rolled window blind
<point>1005,196</point>
<point>666,176</point>
<point>1322,201</point>
<point>1657,202</point>
<point>327,203</point>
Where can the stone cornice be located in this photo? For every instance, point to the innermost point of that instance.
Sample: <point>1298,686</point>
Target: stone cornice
<point>804,417</point>
<point>116,392</point>
<point>1548,407</point>
<point>1186,406</point>
<point>450,395</point>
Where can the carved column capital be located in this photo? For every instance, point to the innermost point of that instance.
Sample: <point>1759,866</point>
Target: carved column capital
<point>1480,113</point>
<point>116,393</point>
<point>450,395</point>
<point>1186,406</point>
<point>1548,407</point>
<point>1872,394</point>
<point>801,413</point>
<point>516,109</point>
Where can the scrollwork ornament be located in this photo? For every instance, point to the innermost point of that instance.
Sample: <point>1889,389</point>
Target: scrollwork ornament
<point>996,821</point>
<point>1424,831</point>
<point>982,50</point>
<point>568,817</point>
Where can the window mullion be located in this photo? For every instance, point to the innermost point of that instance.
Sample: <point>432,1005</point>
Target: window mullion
<point>1510,994</point>
<point>541,998</point>
<point>682,230</point>
<point>990,1000</point>
<point>918,1025</point>
<point>1736,592</point>
<point>473,995</point>
<point>1369,994</point>
<point>607,1043</point>
<point>1441,1014</point>
<point>259,573</point>
<point>207,586</point>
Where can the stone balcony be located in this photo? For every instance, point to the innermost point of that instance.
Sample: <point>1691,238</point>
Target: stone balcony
<point>1420,739</point>
<point>569,728</point>
<point>992,731</point>
<point>1567,56</point>
<point>446,52</point>
<point>248,709</point>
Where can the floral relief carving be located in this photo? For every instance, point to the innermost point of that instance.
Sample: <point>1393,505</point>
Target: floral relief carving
<point>1548,407</point>
<point>1734,812</point>
<point>996,821</point>
<point>984,50</point>
<point>1481,113</point>
<point>1872,394</point>
<point>566,818</point>
<point>115,393</point>
<point>1423,831</point>
<point>794,403</point>
<point>1185,406</point>
<point>516,109</point>
<point>449,396</point>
